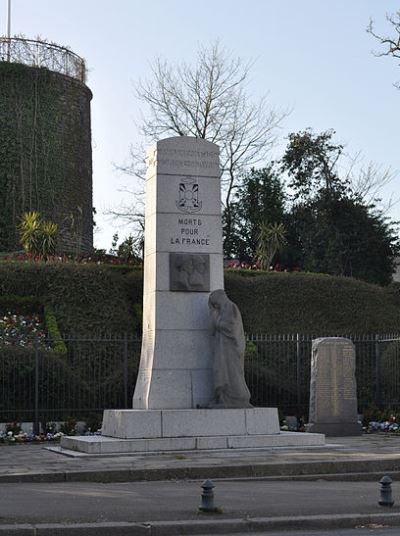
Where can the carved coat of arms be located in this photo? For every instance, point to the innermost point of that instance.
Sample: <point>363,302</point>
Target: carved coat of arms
<point>188,201</point>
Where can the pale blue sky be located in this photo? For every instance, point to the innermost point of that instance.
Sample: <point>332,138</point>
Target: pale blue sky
<point>313,56</point>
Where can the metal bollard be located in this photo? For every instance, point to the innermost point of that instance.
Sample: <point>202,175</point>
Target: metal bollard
<point>207,498</point>
<point>386,491</point>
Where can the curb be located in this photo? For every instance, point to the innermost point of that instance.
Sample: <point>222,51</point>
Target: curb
<point>343,470</point>
<point>201,527</point>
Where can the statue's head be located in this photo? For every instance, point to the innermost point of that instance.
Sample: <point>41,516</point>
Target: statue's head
<point>217,299</point>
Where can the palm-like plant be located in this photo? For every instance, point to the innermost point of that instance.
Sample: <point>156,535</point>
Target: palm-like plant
<point>29,232</point>
<point>271,238</point>
<point>36,236</point>
<point>49,239</point>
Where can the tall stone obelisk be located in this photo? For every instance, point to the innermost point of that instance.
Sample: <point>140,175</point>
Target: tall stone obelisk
<point>183,263</point>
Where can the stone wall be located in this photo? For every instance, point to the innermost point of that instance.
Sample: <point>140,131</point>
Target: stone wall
<point>45,154</point>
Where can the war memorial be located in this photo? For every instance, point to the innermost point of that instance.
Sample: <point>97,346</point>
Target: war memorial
<point>190,392</point>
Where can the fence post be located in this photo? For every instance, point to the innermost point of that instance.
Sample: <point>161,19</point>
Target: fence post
<point>36,428</point>
<point>378,395</point>
<point>125,365</point>
<point>298,373</point>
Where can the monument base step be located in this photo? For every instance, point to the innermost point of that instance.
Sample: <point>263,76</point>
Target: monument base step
<point>170,423</point>
<point>140,431</point>
<point>110,445</point>
<point>335,429</point>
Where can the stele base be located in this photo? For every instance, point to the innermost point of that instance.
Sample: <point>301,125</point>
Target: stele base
<point>141,431</point>
<point>333,429</point>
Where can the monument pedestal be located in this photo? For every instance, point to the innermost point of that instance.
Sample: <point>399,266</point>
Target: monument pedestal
<point>141,431</point>
<point>333,389</point>
<point>335,429</point>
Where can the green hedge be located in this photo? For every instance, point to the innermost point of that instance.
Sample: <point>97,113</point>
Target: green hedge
<point>86,299</point>
<point>53,331</point>
<point>25,304</point>
<point>102,300</point>
<point>312,303</point>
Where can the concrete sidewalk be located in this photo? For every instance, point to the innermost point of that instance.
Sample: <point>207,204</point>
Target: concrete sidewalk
<point>46,493</point>
<point>354,457</point>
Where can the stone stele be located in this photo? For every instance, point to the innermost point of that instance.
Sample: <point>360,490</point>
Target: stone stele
<point>183,264</point>
<point>333,389</point>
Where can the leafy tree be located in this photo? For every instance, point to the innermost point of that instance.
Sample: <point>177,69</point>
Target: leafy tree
<point>330,229</point>
<point>130,249</point>
<point>310,160</point>
<point>342,237</point>
<point>260,199</point>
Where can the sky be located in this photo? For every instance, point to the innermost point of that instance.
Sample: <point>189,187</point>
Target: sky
<point>313,57</point>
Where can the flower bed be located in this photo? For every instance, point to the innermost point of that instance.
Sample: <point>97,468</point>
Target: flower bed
<point>384,426</point>
<point>22,437</point>
<point>22,330</point>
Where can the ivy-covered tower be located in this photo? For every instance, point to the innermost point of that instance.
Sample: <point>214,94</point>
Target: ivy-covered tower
<point>45,142</point>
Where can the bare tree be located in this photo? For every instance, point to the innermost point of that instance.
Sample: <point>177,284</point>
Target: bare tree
<point>391,43</point>
<point>209,100</point>
<point>367,181</point>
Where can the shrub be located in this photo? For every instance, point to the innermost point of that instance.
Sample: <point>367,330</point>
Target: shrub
<point>311,303</point>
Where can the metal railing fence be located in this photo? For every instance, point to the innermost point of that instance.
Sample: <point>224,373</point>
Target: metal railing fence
<point>42,54</point>
<point>278,370</point>
<point>38,384</point>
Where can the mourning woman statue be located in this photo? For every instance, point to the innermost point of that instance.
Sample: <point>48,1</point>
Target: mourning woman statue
<point>228,345</point>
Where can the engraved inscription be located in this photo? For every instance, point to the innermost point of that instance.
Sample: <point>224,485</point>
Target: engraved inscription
<point>190,233</point>
<point>333,396</point>
<point>189,272</point>
<point>181,158</point>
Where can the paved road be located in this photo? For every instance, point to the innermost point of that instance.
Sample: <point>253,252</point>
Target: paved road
<point>373,530</point>
<point>122,495</point>
<point>165,501</point>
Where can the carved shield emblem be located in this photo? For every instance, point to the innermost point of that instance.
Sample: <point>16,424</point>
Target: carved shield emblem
<point>188,201</point>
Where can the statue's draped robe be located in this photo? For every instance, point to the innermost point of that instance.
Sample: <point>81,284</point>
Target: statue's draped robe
<point>228,342</point>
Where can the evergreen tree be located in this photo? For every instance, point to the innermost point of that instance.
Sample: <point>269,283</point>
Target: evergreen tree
<point>260,200</point>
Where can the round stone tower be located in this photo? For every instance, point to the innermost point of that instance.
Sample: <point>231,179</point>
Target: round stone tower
<point>45,142</point>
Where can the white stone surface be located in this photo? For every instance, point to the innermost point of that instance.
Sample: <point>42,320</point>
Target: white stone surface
<point>168,340</point>
<point>170,388</point>
<point>183,156</point>
<point>204,422</point>
<point>105,445</point>
<point>262,421</point>
<point>284,439</point>
<point>182,311</point>
<point>178,374</point>
<point>166,423</point>
<point>124,423</point>
<point>162,195</point>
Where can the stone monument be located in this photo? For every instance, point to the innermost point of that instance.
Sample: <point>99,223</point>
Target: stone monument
<point>333,390</point>
<point>175,404</point>
<point>183,263</point>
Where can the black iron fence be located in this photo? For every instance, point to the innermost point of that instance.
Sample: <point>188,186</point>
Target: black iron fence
<point>42,54</point>
<point>278,371</point>
<point>39,384</point>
